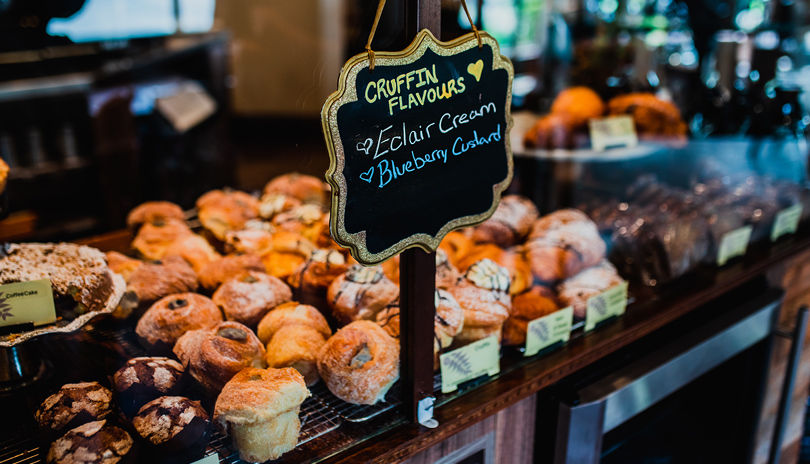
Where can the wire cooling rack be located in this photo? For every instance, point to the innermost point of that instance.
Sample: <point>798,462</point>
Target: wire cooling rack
<point>21,447</point>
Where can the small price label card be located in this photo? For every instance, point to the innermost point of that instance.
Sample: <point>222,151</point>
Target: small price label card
<point>210,459</point>
<point>611,302</point>
<point>24,302</point>
<point>613,132</point>
<point>548,330</point>
<point>469,362</point>
<point>733,244</point>
<point>786,221</point>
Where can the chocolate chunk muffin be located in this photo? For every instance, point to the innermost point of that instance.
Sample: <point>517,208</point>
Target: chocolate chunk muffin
<point>93,443</point>
<point>142,380</point>
<point>176,428</point>
<point>73,405</point>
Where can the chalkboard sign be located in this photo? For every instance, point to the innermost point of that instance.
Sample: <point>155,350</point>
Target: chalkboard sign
<point>419,145</point>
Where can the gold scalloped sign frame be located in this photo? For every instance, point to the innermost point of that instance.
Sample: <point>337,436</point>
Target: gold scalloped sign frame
<point>347,93</point>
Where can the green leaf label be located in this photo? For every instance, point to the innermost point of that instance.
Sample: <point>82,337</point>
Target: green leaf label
<point>548,330</point>
<point>611,302</point>
<point>24,302</point>
<point>786,221</point>
<point>733,244</point>
<point>468,362</point>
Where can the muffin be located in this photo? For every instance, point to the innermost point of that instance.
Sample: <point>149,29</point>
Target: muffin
<point>312,278</point>
<point>530,305</point>
<point>259,410</point>
<point>579,103</point>
<point>513,259</point>
<point>176,429</point>
<point>275,203</point>
<point>248,298</point>
<point>155,237</point>
<point>289,251</point>
<point>194,249</point>
<point>221,211</point>
<point>154,280</point>
<point>360,363</point>
<point>250,241</point>
<point>294,334</point>
<point>213,274</point>
<point>576,291</point>
<point>212,356</point>
<point>483,294</point>
<point>96,442</point>
<point>73,405</point>
<point>510,224</point>
<point>172,316</point>
<point>360,293</point>
<point>153,211</point>
<point>562,244</point>
<point>121,264</point>
<point>142,380</point>
<point>308,189</point>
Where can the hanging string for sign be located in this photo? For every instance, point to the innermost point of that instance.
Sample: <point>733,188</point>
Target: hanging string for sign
<point>380,7</point>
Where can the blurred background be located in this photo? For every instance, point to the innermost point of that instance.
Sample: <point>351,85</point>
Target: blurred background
<point>105,104</point>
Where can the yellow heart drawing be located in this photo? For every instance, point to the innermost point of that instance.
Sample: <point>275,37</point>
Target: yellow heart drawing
<point>475,69</point>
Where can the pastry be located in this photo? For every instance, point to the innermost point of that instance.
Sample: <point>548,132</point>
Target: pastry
<point>255,241</point>
<point>289,251</point>
<point>510,224</point>
<point>175,427</point>
<point>520,274</point>
<point>248,298</point>
<point>312,279</point>
<point>579,103</point>
<point>169,318</point>
<point>448,321</point>
<point>194,249</point>
<point>563,243</point>
<point>259,410</point>
<point>446,273</point>
<point>359,363</point>
<point>153,211</point>
<point>122,264</point>
<point>80,278</point>
<point>212,356</point>
<point>220,211</point>
<point>304,220</point>
<point>152,281</point>
<point>483,294</point>
<point>294,334</point>
<point>360,293</point>
<point>142,380</point>
<point>93,443</point>
<point>155,237</point>
<point>578,289</point>
<point>534,303</point>
<point>456,244</point>
<point>651,115</point>
<point>4,170</point>
<point>73,405</point>
<point>274,203</point>
<point>306,188</point>
<point>213,274</point>
<point>550,132</point>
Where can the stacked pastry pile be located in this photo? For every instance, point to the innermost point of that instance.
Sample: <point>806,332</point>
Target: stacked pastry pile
<point>248,305</point>
<point>566,126</point>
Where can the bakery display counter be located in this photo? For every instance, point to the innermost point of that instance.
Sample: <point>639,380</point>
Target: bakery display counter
<point>334,431</point>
